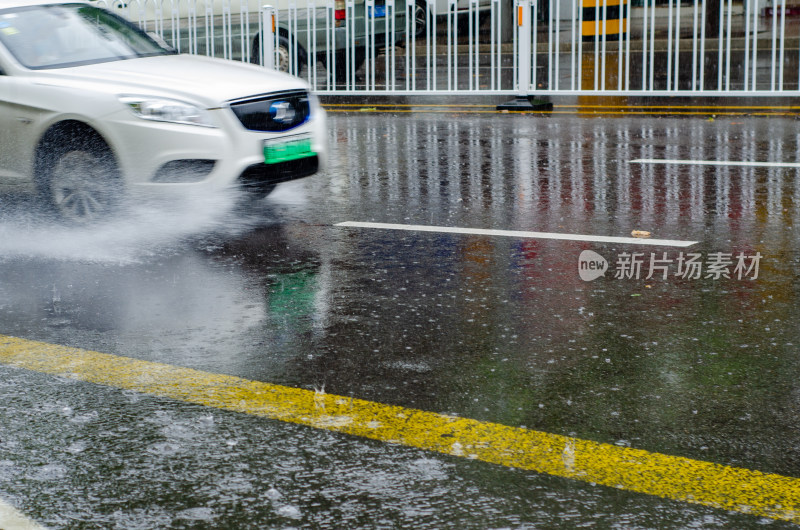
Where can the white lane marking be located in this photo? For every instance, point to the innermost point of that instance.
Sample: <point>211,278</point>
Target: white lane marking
<point>715,163</point>
<point>13,519</point>
<point>522,234</point>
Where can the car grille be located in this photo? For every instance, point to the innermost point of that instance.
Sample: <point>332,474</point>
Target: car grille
<point>273,112</point>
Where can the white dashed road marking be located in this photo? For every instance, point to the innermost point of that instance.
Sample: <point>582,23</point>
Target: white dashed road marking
<point>714,163</point>
<point>521,234</point>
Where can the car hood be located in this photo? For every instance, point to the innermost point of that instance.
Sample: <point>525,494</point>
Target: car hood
<point>203,80</point>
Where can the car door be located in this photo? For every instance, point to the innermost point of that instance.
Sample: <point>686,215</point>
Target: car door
<point>9,171</point>
<point>20,119</point>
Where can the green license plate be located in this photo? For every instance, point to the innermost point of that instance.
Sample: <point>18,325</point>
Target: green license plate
<point>286,149</point>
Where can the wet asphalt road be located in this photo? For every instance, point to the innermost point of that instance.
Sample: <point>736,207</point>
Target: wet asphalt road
<point>499,329</point>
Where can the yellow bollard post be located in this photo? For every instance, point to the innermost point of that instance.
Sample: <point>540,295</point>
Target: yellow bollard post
<point>615,24</point>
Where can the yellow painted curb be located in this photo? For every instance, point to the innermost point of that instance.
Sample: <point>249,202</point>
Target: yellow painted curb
<point>581,110</point>
<point>670,477</point>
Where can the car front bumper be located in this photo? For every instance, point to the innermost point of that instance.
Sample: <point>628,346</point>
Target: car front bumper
<point>214,158</point>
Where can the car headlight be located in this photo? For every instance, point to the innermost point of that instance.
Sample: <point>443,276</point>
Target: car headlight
<point>167,110</point>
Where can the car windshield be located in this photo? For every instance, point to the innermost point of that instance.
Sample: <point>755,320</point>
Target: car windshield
<point>57,36</point>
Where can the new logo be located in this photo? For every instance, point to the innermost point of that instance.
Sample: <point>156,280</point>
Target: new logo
<point>591,265</point>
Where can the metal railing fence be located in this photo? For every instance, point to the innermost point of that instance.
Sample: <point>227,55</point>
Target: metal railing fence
<point>530,47</point>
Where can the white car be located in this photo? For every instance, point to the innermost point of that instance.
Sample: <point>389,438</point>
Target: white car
<point>93,111</point>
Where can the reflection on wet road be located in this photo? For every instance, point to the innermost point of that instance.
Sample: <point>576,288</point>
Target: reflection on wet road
<point>693,362</point>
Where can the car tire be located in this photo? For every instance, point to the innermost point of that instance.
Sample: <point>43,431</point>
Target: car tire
<point>284,45</point>
<point>483,17</point>
<point>341,63</point>
<point>420,18</point>
<point>80,180</point>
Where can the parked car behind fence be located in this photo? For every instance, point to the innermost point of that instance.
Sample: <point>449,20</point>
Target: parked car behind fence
<point>339,34</point>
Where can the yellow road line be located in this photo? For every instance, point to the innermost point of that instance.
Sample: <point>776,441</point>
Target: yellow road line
<point>629,107</point>
<point>669,477</point>
<point>711,107</point>
<point>13,519</point>
<point>402,105</point>
<point>454,110</point>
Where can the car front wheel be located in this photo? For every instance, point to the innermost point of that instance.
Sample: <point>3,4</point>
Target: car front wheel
<point>283,54</point>
<point>358,57</point>
<point>81,182</point>
<point>420,18</point>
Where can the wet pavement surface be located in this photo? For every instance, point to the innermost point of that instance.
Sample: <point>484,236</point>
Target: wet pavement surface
<point>498,329</point>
